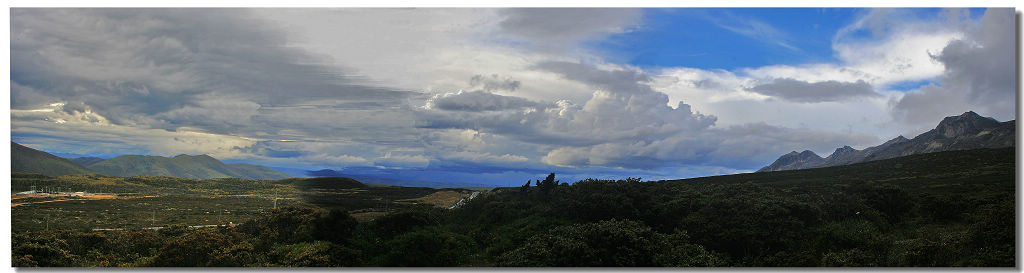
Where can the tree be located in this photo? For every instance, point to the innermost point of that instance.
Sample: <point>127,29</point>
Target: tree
<point>547,186</point>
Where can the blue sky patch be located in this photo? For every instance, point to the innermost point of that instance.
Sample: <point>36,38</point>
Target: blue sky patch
<point>729,38</point>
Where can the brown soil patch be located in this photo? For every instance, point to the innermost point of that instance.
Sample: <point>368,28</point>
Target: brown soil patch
<point>101,196</point>
<point>83,198</point>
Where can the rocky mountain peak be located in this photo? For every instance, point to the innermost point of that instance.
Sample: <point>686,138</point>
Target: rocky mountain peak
<point>808,153</point>
<point>968,123</point>
<point>794,160</point>
<point>895,140</point>
<point>845,150</point>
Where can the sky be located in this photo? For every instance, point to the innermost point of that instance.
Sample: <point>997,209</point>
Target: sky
<point>501,96</point>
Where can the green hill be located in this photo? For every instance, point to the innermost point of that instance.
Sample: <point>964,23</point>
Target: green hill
<point>86,161</point>
<point>256,172</point>
<point>187,166</point>
<point>25,159</point>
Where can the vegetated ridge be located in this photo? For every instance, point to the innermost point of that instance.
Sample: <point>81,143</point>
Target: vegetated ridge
<point>28,160</point>
<point>187,166</point>
<point>25,159</point>
<point>964,132</point>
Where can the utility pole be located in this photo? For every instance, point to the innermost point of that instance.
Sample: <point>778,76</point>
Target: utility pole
<point>275,199</point>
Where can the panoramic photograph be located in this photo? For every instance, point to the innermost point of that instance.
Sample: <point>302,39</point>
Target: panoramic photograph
<point>513,137</point>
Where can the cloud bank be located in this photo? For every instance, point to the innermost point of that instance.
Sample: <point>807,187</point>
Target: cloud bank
<point>495,93</point>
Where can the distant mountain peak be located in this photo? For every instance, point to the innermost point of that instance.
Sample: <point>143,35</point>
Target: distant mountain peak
<point>794,160</point>
<point>807,153</point>
<point>895,140</point>
<point>968,123</point>
<point>844,150</point>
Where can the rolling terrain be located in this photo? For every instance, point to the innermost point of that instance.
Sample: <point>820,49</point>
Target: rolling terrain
<point>950,208</point>
<point>28,160</point>
<point>185,166</point>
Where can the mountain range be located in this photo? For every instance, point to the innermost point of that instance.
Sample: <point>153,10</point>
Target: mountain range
<point>25,159</point>
<point>377,180</point>
<point>964,132</point>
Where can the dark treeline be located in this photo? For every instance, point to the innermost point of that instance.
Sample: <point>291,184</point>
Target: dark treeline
<point>941,209</point>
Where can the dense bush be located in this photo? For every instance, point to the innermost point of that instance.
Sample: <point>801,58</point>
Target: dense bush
<point>608,243</point>
<point>926,214</point>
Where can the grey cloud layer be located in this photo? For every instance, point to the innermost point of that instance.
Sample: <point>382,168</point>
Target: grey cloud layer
<point>801,91</point>
<point>619,81</point>
<point>219,70</point>
<point>494,82</point>
<point>980,75</point>
<point>561,25</point>
<point>167,59</point>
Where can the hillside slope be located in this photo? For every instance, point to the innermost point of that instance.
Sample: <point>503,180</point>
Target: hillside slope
<point>25,159</point>
<point>187,166</point>
<point>251,171</point>
<point>86,161</point>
